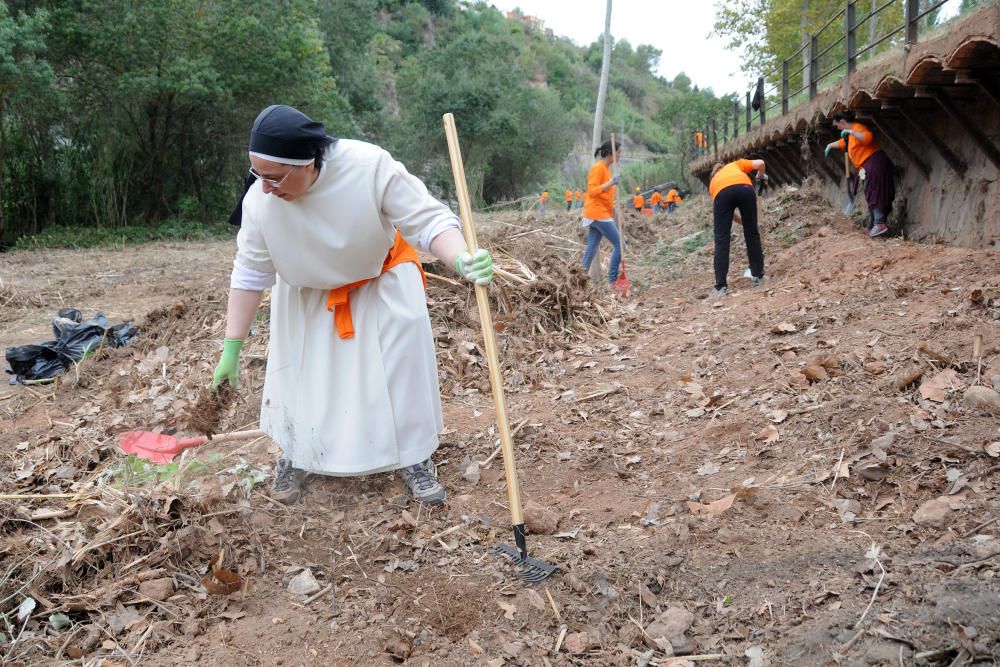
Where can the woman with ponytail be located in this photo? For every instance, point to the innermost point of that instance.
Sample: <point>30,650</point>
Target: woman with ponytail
<point>599,211</point>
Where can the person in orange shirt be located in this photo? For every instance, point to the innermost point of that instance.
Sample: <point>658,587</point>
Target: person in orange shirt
<point>731,189</point>
<point>599,209</point>
<point>638,202</point>
<point>542,200</point>
<point>673,199</point>
<point>699,142</point>
<point>579,199</point>
<point>873,165</point>
<point>569,199</point>
<point>656,199</point>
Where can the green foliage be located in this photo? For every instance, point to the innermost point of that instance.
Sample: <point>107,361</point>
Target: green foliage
<point>63,236</point>
<point>771,31</point>
<point>135,472</point>
<point>127,121</point>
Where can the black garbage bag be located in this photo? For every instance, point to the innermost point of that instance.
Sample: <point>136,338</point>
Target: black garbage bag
<point>75,339</point>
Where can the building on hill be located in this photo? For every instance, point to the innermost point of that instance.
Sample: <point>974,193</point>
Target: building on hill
<point>529,22</point>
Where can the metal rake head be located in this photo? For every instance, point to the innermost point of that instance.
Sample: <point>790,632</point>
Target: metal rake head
<point>526,567</point>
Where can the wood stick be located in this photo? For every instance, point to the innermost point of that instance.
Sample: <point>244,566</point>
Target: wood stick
<point>486,322</point>
<point>559,640</point>
<point>924,347</point>
<point>442,278</point>
<point>977,354</point>
<point>315,597</point>
<point>905,377</point>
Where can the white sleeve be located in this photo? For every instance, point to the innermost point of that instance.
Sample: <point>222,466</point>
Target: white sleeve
<point>405,204</point>
<point>252,267</point>
<point>249,279</point>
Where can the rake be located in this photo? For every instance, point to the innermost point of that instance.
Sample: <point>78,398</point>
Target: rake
<point>528,568</point>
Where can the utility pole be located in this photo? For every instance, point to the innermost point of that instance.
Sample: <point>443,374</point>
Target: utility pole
<point>602,90</point>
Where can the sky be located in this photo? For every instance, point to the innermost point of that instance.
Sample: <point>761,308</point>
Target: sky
<point>679,28</point>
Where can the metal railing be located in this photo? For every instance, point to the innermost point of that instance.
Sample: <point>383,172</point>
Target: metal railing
<point>830,54</point>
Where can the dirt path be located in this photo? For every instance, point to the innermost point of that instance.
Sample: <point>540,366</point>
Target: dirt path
<point>711,477</point>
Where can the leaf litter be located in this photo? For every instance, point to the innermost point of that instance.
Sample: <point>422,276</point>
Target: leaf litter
<point>589,376</point>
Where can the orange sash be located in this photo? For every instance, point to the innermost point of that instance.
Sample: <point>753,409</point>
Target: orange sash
<point>339,299</point>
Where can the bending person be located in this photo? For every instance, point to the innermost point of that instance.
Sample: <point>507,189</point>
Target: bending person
<point>351,384</point>
<point>732,190</point>
<point>873,165</point>
<point>599,209</point>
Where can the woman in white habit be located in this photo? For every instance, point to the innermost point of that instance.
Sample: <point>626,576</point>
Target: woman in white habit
<point>330,225</point>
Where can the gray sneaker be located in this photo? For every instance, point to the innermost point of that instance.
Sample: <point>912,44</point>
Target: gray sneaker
<point>757,282</point>
<point>422,482</point>
<point>288,482</point>
<point>718,292</point>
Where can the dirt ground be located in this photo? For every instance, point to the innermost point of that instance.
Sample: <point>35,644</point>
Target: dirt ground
<point>802,473</point>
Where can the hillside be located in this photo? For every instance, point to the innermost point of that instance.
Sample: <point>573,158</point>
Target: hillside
<point>153,101</point>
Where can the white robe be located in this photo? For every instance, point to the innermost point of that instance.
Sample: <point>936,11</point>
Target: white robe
<point>369,403</point>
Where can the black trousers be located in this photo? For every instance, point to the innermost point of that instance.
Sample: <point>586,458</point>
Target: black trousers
<point>734,197</point>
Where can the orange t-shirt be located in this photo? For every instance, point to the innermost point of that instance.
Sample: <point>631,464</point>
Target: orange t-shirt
<point>639,201</point>
<point>578,195</point>
<point>734,173</point>
<point>656,198</point>
<point>599,205</point>
<point>569,195</point>
<point>545,197</point>
<point>860,150</point>
<point>673,197</point>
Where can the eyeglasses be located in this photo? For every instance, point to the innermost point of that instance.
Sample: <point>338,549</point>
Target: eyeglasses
<point>273,182</point>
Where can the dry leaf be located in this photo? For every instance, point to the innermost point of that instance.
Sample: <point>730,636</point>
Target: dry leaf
<point>222,582</point>
<point>708,468</point>
<point>992,449</point>
<point>768,434</point>
<point>936,388</point>
<point>720,505</point>
<point>536,600</point>
<point>784,328</point>
<point>508,609</point>
<point>777,416</point>
<point>815,372</point>
<point>873,472</point>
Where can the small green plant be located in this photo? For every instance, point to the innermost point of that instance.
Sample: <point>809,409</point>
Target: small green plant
<point>135,471</point>
<point>250,476</point>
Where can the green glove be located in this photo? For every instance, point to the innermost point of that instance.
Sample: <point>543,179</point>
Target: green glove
<point>476,268</point>
<point>826,152</point>
<point>228,369</point>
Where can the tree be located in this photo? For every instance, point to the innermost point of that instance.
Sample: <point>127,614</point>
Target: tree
<point>511,133</point>
<point>24,77</point>
<point>682,82</point>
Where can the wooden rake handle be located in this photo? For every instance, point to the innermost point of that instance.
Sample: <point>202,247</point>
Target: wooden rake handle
<point>220,437</point>
<point>486,320</point>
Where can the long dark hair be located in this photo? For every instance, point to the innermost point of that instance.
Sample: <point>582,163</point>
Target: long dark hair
<point>844,115</point>
<point>605,149</point>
